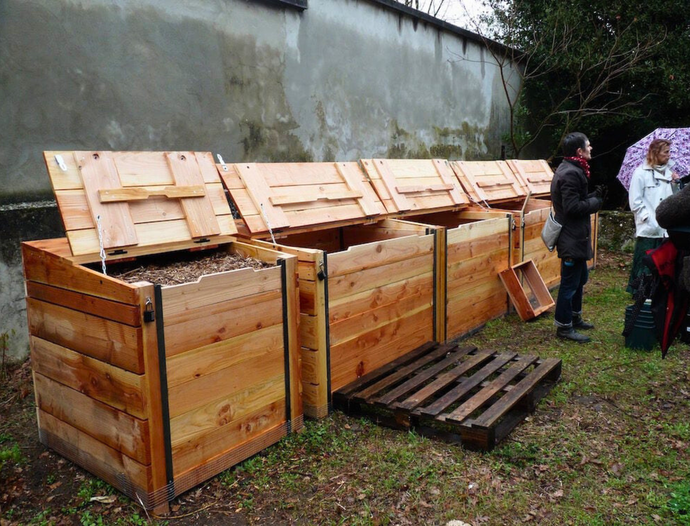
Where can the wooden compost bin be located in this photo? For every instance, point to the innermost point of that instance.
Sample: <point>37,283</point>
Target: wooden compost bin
<point>476,244</point>
<point>156,388</point>
<point>531,182</point>
<point>496,186</point>
<point>367,284</point>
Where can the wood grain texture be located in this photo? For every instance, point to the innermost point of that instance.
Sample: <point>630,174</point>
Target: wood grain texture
<point>98,172</point>
<point>93,455</point>
<point>111,385</point>
<point>116,429</point>
<point>111,310</point>
<point>201,218</point>
<point>370,350</point>
<point>44,262</point>
<point>114,343</point>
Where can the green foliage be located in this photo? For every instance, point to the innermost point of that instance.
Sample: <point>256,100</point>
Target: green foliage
<point>679,503</point>
<point>9,451</point>
<point>91,487</point>
<point>89,519</point>
<point>615,69</point>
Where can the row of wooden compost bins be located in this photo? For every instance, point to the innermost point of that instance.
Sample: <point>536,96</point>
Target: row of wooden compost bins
<point>157,387</point>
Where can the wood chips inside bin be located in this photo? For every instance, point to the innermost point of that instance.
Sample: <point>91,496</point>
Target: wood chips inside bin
<point>175,269</point>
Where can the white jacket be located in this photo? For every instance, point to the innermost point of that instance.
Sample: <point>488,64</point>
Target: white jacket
<point>647,189</point>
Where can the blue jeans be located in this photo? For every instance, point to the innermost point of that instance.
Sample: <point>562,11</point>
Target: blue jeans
<point>574,274</point>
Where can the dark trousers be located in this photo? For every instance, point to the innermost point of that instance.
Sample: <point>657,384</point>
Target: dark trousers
<point>574,274</point>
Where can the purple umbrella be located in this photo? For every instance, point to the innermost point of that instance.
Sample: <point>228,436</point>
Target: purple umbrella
<point>636,154</point>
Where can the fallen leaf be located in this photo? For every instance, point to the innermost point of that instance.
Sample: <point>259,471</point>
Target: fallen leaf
<point>557,494</point>
<point>104,499</point>
<point>617,469</point>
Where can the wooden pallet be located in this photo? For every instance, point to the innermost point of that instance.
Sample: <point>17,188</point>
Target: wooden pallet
<point>458,393</point>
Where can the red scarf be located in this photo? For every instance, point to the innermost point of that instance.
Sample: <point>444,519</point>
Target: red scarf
<point>582,162</point>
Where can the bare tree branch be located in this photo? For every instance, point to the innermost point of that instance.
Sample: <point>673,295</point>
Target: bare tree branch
<point>589,94</point>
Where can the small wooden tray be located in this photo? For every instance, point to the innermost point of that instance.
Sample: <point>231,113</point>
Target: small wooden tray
<point>460,394</point>
<point>527,289</point>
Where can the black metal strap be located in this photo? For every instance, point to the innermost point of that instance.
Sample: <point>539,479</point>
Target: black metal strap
<point>286,343</point>
<point>328,332</point>
<point>163,373</point>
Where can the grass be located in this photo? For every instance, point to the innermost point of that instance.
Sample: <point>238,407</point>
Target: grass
<point>607,446</point>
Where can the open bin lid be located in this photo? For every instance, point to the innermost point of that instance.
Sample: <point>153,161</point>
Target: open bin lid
<point>534,176</point>
<point>415,186</point>
<point>488,181</point>
<point>295,197</point>
<point>142,202</point>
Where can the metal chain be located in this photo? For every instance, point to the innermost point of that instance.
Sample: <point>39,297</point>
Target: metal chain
<point>100,242</point>
<point>263,213</point>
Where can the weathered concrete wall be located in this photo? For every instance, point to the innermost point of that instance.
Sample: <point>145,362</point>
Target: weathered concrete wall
<point>250,80</point>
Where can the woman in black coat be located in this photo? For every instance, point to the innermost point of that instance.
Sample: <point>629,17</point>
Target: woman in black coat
<point>573,205</point>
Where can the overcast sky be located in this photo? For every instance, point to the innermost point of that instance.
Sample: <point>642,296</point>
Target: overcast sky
<point>456,12</point>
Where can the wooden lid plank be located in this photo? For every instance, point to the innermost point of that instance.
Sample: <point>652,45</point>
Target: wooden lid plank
<point>261,194</point>
<point>389,180</point>
<point>448,177</point>
<point>98,172</point>
<point>353,177</point>
<point>198,210</point>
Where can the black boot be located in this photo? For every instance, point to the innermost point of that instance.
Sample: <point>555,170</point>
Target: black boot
<point>580,324</point>
<point>568,333</point>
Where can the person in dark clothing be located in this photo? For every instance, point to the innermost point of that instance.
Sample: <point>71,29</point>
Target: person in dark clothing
<point>573,205</point>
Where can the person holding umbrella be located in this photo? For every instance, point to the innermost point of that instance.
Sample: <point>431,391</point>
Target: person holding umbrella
<point>651,183</point>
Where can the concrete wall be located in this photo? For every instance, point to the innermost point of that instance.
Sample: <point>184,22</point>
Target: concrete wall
<point>250,80</point>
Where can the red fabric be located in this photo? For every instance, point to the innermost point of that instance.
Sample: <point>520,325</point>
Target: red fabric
<point>582,162</point>
<point>664,258</point>
<point>669,310</point>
